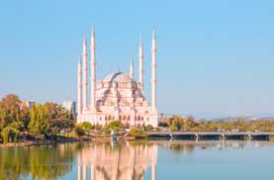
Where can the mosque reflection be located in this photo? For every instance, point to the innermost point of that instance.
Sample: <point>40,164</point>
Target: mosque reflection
<point>117,161</point>
<point>131,160</point>
<point>103,161</point>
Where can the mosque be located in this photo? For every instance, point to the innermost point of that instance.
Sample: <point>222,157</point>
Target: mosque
<point>118,96</point>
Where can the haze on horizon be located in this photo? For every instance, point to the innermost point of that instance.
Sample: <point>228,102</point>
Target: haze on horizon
<point>215,58</point>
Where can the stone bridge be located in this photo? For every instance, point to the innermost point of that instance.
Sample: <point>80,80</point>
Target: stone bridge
<point>211,135</point>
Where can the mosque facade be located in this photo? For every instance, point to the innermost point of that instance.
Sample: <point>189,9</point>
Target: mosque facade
<point>119,96</point>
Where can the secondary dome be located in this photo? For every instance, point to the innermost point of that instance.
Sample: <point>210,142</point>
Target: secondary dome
<point>118,77</point>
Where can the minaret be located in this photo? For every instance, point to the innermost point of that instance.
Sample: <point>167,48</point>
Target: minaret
<point>93,73</point>
<point>154,75</point>
<point>131,69</point>
<point>131,100</point>
<point>79,101</point>
<point>85,71</point>
<point>141,59</point>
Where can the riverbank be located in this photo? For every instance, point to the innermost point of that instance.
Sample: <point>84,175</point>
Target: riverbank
<point>186,137</point>
<point>37,143</point>
<point>68,140</point>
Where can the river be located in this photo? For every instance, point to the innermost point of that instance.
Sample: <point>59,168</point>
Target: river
<point>161,160</point>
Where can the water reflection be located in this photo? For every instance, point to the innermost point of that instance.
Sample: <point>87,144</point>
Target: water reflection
<point>45,162</point>
<point>187,147</point>
<point>106,161</point>
<point>120,161</point>
<point>103,161</point>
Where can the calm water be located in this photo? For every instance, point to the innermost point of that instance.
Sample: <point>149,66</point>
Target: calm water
<point>160,160</point>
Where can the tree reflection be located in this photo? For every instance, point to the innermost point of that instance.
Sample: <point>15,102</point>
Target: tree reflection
<point>188,147</point>
<point>182,148</point>
<point>47,162</point>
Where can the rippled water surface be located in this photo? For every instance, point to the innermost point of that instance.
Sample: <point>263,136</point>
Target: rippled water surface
<point>161,160</point>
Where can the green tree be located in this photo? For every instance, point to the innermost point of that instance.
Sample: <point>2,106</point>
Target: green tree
<point>173,128</point>
<point>177,121</point>
<point>79,131</point>
<point>49,120</point>
<point>10,109</point>
<point>241,125</point>
<point>149,128</point>
<point>39,125</point>
<point>189,124</point>
<point>87,126</point>
<point>213,127</point>
<point>227,126</point>
<point>58,119</point>
<point>115,125</point>
<point>14,117</point>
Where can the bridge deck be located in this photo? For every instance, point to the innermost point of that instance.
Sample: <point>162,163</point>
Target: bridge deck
<point>212,133</point>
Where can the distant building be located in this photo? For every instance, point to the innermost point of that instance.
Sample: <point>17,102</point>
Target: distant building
<point>70,106</point>
<point>28,104</point>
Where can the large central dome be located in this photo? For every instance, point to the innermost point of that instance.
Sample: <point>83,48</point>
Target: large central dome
<point>118,77</point>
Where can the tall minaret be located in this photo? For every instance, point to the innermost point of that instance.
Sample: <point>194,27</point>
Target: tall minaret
<point>93,73</point>
<point>154,75</point>
<point>141,59</point>
<point>85,72</point>
<point>79,101</point>
<point>131,69</point>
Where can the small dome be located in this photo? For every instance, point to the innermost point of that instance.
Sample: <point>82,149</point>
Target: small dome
<point>118,77</point>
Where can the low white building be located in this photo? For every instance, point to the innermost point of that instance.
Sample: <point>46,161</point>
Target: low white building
<point>28,104</point>
<point>70,106</point>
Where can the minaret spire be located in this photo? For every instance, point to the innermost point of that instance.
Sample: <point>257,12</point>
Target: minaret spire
<point>85,72</point>
<point>79,99</point>
<point>141,61</point>
<point>131,69</point>
<point>93,73</point>
<point>154,75</point>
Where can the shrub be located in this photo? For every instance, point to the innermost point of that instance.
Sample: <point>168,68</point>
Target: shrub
<point>137,133</point>
<point>106,131</point>
<point>79,131</point>
<point>149,128</point>
<point>115,125</point>
<point>86,126</point>
<point>10,134</point>
<point>173,128</point>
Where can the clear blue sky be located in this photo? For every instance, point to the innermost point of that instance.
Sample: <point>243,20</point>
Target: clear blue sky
<point>215,57</point>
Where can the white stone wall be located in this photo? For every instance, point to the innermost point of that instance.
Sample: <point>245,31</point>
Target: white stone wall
<point>123,101</point>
